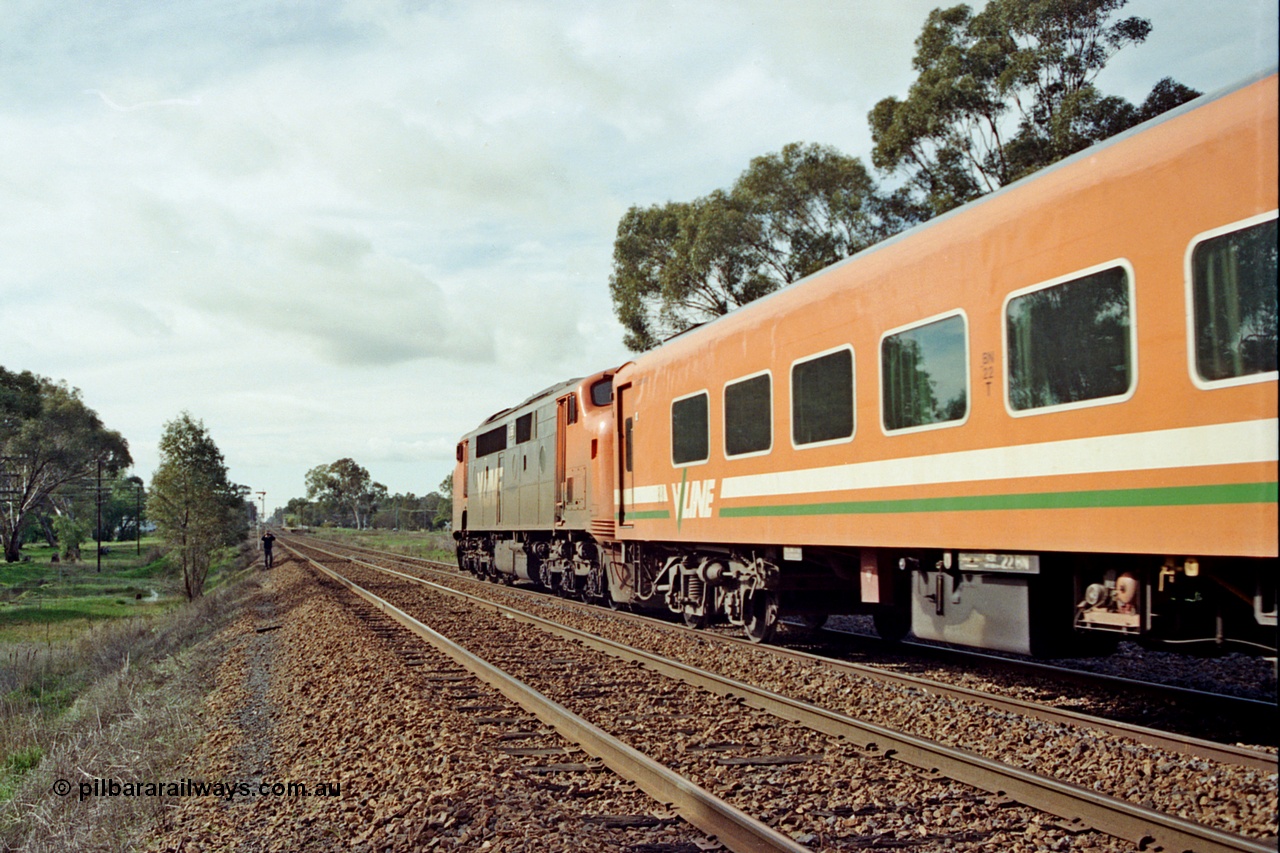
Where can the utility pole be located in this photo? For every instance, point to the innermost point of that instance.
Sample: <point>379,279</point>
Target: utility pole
<point>137,517</point>
<point>98,526</point>
<point>262,516</point>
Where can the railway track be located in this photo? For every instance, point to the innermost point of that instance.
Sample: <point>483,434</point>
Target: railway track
<point>1238,718</point>
<point>716,817</point>
<point>561,752</point>
<point>1077,808</point>
<point>1197,722</point>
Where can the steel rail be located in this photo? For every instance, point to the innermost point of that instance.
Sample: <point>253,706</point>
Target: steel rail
<point>1257,710</point>
<point>727,824</point>
<point>1182,744</point>
<point>1079,806</point>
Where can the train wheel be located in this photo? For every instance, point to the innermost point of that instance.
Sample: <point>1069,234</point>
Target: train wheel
<point>546,578</point>
<point>892,625</point>
<point>695,620</point>
<point>761,616</point>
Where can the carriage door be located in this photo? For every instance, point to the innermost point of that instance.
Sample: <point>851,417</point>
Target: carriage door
<point>566,414</point>
<point>626,476</point>
<point>497,492</point>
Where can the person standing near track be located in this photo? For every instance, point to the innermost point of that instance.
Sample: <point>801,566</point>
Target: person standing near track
<point>267,541</point>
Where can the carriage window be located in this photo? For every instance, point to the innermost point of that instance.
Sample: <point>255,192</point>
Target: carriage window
<point>1233,284</point>
<point>822,398</point>
<point>748,413</point>
<point>690,441</point>
<point>923,375</point>
<point>1070,342</point>
<point>491,441</point>
<point>602,392</point>
<point>524,428</point>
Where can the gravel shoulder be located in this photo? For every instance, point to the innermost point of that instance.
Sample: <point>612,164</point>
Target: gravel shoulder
<point>310,695</point>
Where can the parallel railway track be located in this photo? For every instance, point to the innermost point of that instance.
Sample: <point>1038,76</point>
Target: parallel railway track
<point>1079,807</point>
<point>1248,720</point>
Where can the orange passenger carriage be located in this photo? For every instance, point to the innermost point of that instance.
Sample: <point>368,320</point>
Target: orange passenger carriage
<point>1044,419</point>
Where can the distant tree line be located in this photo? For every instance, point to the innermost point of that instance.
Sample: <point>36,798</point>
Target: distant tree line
<point>344,494</point>
<point>999,95</point>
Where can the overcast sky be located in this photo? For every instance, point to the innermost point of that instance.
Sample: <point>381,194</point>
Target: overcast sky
<point>357,229</point>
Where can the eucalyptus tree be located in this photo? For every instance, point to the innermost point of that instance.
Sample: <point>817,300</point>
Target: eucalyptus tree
<point>49,441</point>
<point>193,504</point>
<point>1006,91</point>
<point>791,213</point>
<point>346,485</point>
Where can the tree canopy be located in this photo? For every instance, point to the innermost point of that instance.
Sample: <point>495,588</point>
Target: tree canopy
<point>1005,92</point>
<point>344,493</point>
<point>346,485</point>
<point>789,214</point>
<point>193,504</point>
<point>49,440</point>
<point>999,94</point>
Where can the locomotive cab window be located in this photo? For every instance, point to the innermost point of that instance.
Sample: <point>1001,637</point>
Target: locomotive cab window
<point>1069,342</point>
<point>1232,275</point>
<point>524,428</point>
<point>690,439</point>
<point>822,399</point>
<point>924,375</point>
<point>748,416</point>
<point>602,392</point>
<point>491,441</point>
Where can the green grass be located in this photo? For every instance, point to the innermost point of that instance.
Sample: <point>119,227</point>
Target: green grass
<point>77,646</point>
<point>44,601</point>
<point>46,608</point>
<point>14,767</point>
<point>429,545</point>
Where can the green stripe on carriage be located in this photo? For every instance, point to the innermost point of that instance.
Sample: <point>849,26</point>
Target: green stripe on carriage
<point>646,515</point>
<point>1234,493</point>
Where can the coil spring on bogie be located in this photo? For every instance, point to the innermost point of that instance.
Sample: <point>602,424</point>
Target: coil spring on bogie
<point>694,590</point>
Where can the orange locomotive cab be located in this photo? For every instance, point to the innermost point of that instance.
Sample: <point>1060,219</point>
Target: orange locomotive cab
<point>460,493</point>
<point>575,563</point>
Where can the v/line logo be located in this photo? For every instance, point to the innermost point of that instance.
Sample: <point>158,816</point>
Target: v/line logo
<point>693,498</point>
